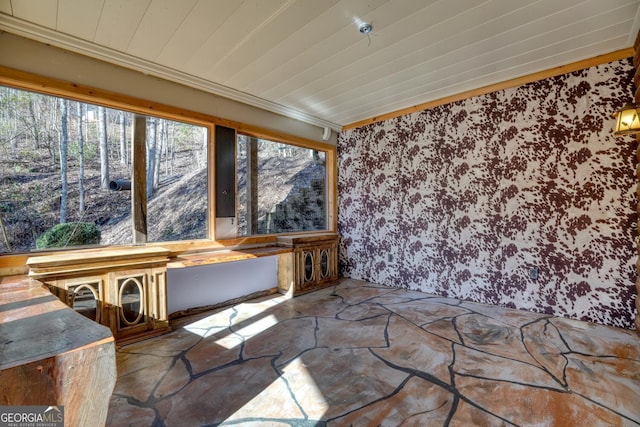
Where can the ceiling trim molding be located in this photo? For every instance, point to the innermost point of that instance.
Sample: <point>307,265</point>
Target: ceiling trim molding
<point>31,31</point>
<point>518,81</point>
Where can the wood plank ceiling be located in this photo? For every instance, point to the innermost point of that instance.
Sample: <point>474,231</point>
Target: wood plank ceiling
<point>308,59</point>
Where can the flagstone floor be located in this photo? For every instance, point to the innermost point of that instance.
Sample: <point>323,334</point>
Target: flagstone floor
<point>366,355</point>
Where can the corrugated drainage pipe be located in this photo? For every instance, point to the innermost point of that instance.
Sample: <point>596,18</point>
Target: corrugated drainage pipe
<point>120,185</point>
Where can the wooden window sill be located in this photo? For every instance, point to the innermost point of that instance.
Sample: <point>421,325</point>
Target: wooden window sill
<point>206,258</point>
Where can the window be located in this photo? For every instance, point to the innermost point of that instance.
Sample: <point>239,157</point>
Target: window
<point>281,187</point>
<point>82,167</point>
<point>66,172</point>
<point>268,187</point>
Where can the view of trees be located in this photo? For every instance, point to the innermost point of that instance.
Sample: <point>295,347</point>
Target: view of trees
<point>288,191</point>
<point>66,168</point>
<point>59,157</point>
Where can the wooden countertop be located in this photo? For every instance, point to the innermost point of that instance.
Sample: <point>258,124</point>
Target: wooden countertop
<point>300,239</point>
<point>91,260</point>
<point>35,325</point>
<point>205,258</point>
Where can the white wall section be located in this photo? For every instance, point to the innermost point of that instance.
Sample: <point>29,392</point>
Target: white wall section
<point>205,285</point>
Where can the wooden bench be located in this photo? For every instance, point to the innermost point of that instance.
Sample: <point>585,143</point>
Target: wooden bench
<point>52,356</point>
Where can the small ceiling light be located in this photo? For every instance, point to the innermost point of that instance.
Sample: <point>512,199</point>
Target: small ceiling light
<point>366,28</point>
<point>627,120</point>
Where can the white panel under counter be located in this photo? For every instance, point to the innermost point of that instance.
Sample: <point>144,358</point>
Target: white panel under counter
<point>206,285</point>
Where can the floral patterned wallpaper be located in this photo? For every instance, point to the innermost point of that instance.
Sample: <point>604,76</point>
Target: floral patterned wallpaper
<point>465,199</point>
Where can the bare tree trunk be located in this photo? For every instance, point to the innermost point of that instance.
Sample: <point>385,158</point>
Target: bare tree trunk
<point>33,123</point>
<point>16,132</point>
<point>156,170</point>
<point>9,99</point>
<point>151,154</point>
<point>14,123</point>
<point>50,124</point>
<point>81,160</point>
<point>64,143</point>
<point>165,147</point>
<point>123,138</point>
<point>104,149</point>
<point>172,148</point>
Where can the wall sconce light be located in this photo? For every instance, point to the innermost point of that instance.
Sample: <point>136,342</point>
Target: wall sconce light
<point>627,120</point>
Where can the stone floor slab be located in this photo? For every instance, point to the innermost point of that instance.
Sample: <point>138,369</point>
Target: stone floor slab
<point>337,381</point>
<point>417,351</point>
<point>368,355</point>
<point>418,403</point>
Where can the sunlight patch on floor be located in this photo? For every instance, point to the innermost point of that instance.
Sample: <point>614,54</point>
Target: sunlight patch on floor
<point>218,324</point>
<point>313,401</point>
<point>279,400</point>
<point>215,323</point>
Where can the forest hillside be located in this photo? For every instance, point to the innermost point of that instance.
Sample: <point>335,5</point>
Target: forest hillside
<point>58,159</point>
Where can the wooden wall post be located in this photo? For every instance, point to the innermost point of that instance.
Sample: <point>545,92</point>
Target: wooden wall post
<point>139,179</point>
<point>252,186</point>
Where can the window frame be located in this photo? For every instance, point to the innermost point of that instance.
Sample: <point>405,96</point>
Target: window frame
<point>330,184</point>
<point>76,92</point>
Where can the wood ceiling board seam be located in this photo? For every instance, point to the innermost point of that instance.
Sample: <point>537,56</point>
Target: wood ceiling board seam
<point>315,31</point>
<point>469,86</point>
<point>202,21</point>
<point>95,28</point>
<point>518,81</point>
<point>41,12</point>
<point>79,18</point>
<point>158,24</point>
<point>445,66</point>
<point>118,23</point>
<point>246,17</point>
<point>294,19</point>
<point>441,78</point>
<point>173,33</point>
<point>5,7</point>
<point>276,82</point>
<point>426,56</point>
<point>255,34</point>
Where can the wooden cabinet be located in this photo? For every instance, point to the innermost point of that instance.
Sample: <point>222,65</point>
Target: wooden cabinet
<point>125,290</point>
<point>84,294</point>
<point>312,263</point>
<point>137,301</point>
